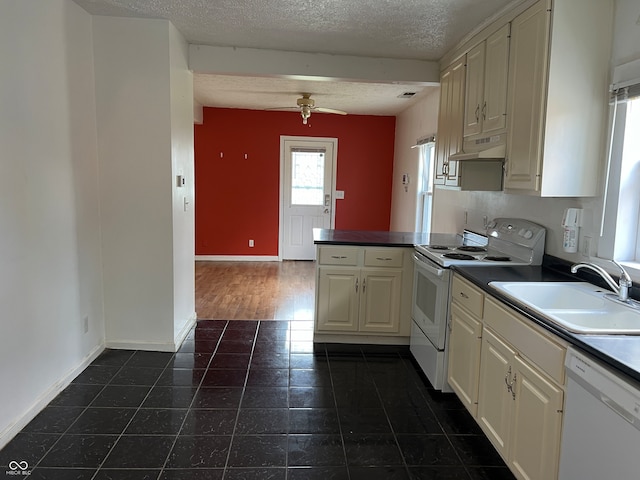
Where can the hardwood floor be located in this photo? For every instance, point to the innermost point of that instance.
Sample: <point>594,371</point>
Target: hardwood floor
<point>255,290</point>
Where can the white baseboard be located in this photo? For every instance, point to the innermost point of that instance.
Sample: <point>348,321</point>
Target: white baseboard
<point>43,400</point>
<point>237,258</point>
<point>147,346</point>
<point>359,339</point>
<point>182,334</point>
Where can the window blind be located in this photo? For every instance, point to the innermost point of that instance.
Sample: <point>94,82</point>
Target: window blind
<point>308,150</point>
<point>622,94</point>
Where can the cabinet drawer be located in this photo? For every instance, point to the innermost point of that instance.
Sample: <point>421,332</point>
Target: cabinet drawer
<point>467,295</point>
<point>547,354</point>
<point>383,257</point>
<point>338,255</point>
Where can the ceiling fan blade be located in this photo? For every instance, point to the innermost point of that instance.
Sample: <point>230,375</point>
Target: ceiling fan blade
<point>288,109</point>
<point>329,110</point>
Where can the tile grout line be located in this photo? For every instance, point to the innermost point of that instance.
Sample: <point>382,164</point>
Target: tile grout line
<point>335,402</point>
<point>133,416</point>
<point>386,414</point>
<point>190,407</point>
<point>235,424</point>
<point>83,411</point>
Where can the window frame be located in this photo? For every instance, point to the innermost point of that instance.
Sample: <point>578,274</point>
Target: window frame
<point>620,199</point>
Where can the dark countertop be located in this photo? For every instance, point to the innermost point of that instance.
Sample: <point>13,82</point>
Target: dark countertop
<point>620,352</point>
<point>381,239</point>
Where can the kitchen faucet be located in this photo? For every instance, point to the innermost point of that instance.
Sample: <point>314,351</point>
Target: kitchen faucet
<point>621,289</point>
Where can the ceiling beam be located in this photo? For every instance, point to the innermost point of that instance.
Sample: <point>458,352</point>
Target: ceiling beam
<point>317,66</point>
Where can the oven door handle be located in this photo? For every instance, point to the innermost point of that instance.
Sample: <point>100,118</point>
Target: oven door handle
<point>431,269</point>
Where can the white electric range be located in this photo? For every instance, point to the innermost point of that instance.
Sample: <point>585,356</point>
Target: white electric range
<point>508,242</point>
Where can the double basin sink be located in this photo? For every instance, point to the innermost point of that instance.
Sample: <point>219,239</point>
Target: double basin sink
<point>576,306</point>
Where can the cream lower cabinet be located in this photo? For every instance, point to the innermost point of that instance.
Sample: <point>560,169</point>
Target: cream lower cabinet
<point>495,400</point>
<point>363,290</point>
<point>353,300</point>
<point>465,342</point>
<point>521,397</point>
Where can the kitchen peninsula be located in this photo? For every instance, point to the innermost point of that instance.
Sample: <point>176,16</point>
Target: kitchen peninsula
<point>364,285</point>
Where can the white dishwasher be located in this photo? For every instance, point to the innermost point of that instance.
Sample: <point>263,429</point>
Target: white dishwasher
<point>601,428</point>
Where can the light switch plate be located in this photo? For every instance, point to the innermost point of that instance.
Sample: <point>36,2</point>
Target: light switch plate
<point>339,194</point>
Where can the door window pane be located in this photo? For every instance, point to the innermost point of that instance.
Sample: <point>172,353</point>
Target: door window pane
<point>307,177</point>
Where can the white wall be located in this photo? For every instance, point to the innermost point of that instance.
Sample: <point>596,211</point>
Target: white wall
<point>626,38</point>
<point>142,97</point>
<point>50,266</point>
<point>417,121</point>
<point>182,163</point>
<point>450,206</point>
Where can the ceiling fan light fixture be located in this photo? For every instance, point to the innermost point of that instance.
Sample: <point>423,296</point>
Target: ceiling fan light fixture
<point>305,112</point>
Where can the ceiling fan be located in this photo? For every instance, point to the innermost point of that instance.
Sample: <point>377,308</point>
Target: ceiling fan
<point>306,105</point>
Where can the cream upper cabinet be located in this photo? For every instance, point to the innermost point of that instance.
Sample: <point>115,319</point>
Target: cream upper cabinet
<point>486,85</point>
<point>557,95</point>
<point>450,123</point>
<point>474,91</point>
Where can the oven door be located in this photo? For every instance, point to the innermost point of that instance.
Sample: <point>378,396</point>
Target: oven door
<point>431,299</point>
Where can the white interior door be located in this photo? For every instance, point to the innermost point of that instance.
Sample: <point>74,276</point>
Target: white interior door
<point>308,173</point>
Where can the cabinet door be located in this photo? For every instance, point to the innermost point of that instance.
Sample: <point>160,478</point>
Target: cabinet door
<point>474,90</point>
<point>464,357</point>
<point>537,420</point>
<point>380,300</point>
<point>528,62</point>
<point>493,111</point>
<point>456,119</point>
<point>442,139</point>
<point>495,401</point>
<point>338,294</point>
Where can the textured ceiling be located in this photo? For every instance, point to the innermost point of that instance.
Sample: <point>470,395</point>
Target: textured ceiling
<point>400,29</point>
<point>262,93</point>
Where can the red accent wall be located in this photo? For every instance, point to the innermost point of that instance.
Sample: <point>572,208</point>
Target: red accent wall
<point>238,199</point>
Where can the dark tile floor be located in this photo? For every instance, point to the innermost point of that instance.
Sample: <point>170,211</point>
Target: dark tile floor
<point>253,400</point>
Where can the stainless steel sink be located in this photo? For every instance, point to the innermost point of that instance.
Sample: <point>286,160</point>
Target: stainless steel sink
<point>576,306</point>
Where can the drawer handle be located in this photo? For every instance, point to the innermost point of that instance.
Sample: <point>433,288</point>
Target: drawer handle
<point>356,285</point>
<point>464,295</point>
<point>339,257</point>
<point>511,382</point>
<point>384,259</point>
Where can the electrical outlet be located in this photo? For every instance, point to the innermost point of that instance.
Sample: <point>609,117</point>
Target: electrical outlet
<point>85,324</point>
<point>586,246</point>
<point>251,243</point>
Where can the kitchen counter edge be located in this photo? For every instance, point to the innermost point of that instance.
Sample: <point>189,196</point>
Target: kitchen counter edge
<point>620,353</point>
<point>324,236</point>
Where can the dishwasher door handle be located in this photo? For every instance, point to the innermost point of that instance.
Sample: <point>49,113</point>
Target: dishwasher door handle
<point>617,408</point>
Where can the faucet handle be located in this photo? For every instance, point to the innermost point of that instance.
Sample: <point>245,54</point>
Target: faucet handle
<point>625,279</point>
